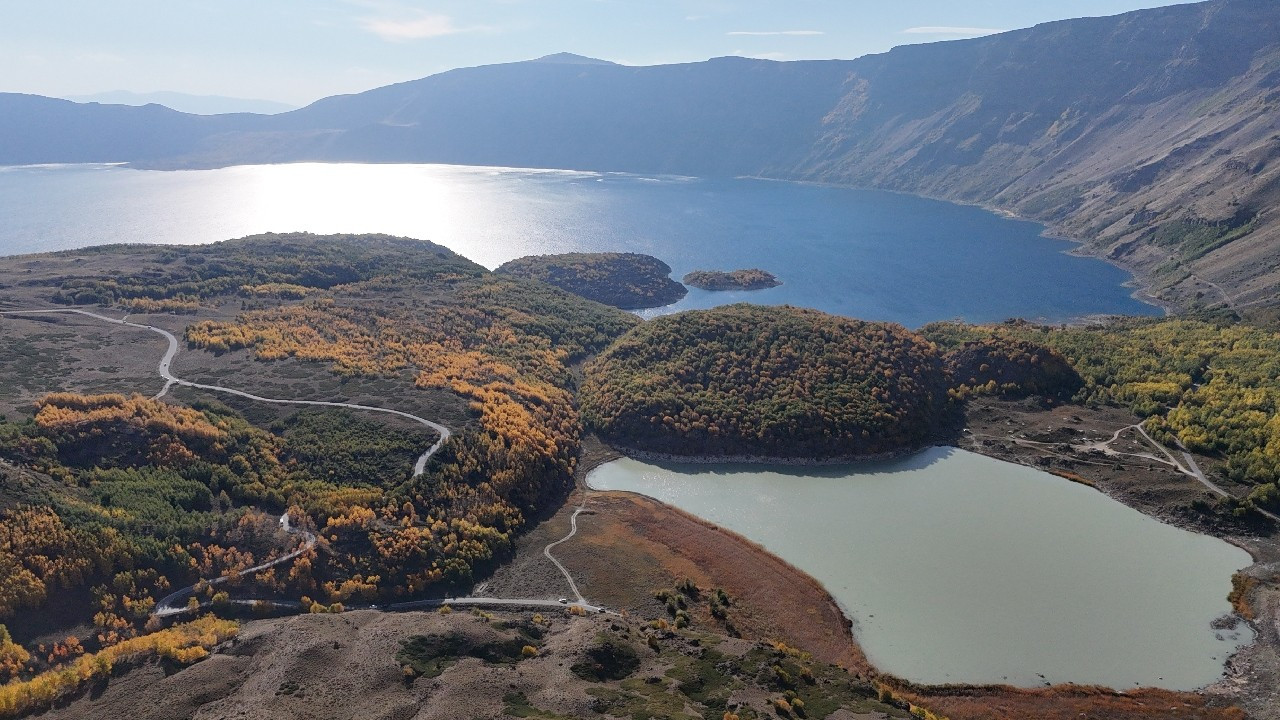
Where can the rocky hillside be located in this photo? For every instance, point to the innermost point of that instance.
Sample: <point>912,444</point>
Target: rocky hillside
<point>426,665</point>
<point>1152,136</point>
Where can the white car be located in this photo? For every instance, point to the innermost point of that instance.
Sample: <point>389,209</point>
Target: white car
<point>563,601</point>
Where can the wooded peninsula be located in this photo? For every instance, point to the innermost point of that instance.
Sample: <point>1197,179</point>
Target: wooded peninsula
<point>630,281</point>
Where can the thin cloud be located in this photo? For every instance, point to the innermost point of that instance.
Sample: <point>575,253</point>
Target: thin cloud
<point>418,26</point>
<point>395,22</point>
<point>951,30</point>
<point>770,33</point>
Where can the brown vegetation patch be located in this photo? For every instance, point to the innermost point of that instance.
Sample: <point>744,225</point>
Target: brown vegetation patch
<point>1069,703</point>
<point>71,353</point>
<point>629,547</point>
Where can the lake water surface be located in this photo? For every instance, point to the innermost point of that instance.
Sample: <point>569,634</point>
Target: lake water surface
<point>955,567</point>
<point>868,254</point>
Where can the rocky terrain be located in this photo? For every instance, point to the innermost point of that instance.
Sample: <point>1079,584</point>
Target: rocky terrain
<point>362,665</point>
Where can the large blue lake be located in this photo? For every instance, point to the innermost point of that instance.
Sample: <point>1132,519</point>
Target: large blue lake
<point>869,254</point>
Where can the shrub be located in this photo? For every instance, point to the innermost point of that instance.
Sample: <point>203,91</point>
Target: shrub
<point>612,658</point>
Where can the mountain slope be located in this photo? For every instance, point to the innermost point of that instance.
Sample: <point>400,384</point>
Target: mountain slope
<point>183,102</point>
<point>35,129</point>
<point>722,117</point>
<point>1153,136</point>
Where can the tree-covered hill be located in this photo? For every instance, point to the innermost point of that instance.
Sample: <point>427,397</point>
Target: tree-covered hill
<point>765,381</point>
<point>630,281</point>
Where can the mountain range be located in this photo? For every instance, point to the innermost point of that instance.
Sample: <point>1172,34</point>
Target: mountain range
<point>1153,137</point>
<point>185,102</point>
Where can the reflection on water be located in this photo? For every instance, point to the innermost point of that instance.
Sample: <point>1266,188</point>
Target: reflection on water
<point>874,255</point>
<point>959,568</point>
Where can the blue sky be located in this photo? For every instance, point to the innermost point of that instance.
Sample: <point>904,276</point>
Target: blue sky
<point>297,51</point>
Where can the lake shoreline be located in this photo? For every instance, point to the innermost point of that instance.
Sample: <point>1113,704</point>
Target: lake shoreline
<point>1019,702</point>
<point>1250,671</point>
<point>1142,283</point>
<point>827,248</point>
<point>765,460</point>
<point>1228,685</point>
<point>1139,281</point>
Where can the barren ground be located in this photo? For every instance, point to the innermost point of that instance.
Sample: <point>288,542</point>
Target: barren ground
<point>339,667</point>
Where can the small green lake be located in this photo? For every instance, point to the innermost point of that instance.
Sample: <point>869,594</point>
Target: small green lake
<point>957,568</point>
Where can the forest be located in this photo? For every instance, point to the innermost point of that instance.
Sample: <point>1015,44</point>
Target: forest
<point>1010,367</point>
<point>118,499</point>
<point>112,500</point>
<point>750,279</point>
<point>288,266</point>
<point>1212,384</point>
<point>630,281</point>
<point>766,381</point>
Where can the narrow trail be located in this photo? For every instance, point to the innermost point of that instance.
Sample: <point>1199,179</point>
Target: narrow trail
<point>1192,468</point>
<point>168,606</point>
<point>1226,297</point>
<point>1186,465</point>
<point>573,530</point>
<point>170,379</point>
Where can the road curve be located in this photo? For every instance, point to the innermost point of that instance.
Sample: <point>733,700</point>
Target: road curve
<point>489,601</point>
<point>168,606</point>
<point>170,380</point>
<point>1187,470</point>
<point>1192,469</point>
<point>573,530</point>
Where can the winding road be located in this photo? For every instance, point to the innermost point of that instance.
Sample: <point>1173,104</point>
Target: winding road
<point>573,530</point>
<point>1187,465</point>
<point>171,380</point>
<point>169,605</point>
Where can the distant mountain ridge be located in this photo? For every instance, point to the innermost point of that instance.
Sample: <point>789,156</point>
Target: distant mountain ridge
<point>565,58</point>
<point>1153,136</point>
<point>184,102</point>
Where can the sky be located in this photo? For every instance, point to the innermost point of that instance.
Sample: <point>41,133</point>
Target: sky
<point>297,51</point>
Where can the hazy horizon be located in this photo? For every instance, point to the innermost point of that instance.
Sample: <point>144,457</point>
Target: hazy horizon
<point>296,51</point>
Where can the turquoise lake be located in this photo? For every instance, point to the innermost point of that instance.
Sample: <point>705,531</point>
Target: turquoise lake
<point>868,254</point>
<point>957,568</point>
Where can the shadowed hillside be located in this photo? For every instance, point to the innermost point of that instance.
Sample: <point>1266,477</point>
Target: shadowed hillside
<point>1152,135</point>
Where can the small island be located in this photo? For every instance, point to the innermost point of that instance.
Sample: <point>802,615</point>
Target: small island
<point>752,383</point>
<point>749,279</point>
<point>629,281</point>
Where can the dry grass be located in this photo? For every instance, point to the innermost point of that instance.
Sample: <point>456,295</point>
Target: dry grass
<point>629,546</point>
<point>1068,703</point>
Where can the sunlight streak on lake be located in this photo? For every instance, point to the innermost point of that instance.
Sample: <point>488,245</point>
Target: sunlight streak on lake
<point>875,255</point>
